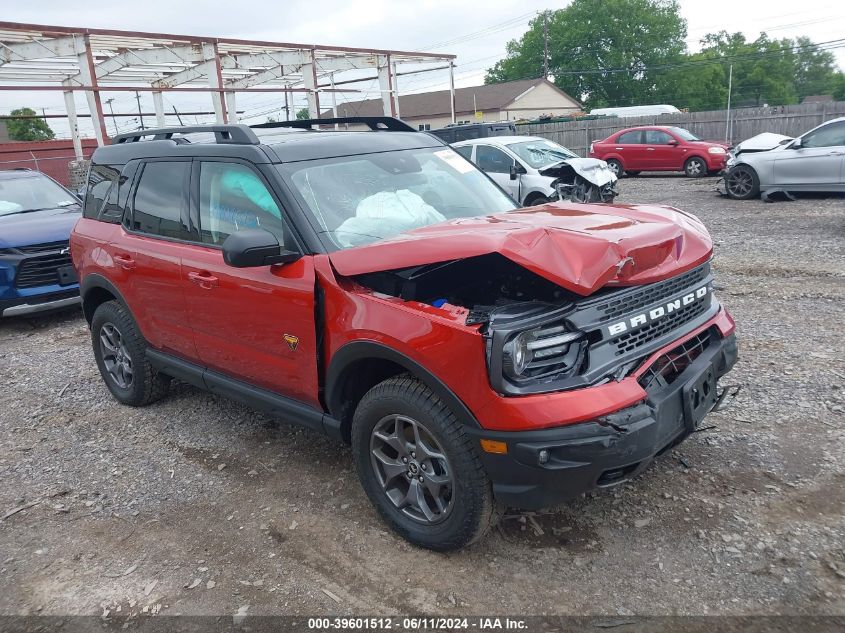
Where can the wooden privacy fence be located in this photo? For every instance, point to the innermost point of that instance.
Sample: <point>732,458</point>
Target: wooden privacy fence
<point>712,125</point>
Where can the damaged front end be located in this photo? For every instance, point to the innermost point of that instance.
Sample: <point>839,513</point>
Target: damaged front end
<point>582,180</point>
<point>540,337</point>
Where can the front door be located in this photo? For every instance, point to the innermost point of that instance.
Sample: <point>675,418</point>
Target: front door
<point>147,256</point>
<point>661,154</point>
<point>497,164</point>
<point>254,324</point>
<point>819,160</point>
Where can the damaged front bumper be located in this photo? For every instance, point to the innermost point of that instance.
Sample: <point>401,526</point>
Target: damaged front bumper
<point>546,467</point>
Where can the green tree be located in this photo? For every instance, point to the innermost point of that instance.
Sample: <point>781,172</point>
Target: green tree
<point>302,114</point>
<point>618,43</point>
<point>28,129</point>
<point>815,70</point>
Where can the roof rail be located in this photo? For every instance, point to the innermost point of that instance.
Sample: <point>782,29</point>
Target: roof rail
<point>237,134</point>
<point>375,123</point>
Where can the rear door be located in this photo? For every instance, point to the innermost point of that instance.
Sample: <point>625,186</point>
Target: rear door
<point>819,160</point>
<point>253,324</point>
<point>629,146</point>
<point>497,164</point>
<point>146,256</point>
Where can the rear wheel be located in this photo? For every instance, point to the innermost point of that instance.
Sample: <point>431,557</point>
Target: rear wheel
<point>120,352</point>
<point>742,183</point>
<point>695,167</point>
<point>615,167</point>
<point>418,466</point>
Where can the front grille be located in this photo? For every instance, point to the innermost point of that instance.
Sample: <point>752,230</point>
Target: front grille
<point>666,369</point>
<point>633,301</point>
<point>42,248</point>
<point>41,271</point>
<point>632,340</point>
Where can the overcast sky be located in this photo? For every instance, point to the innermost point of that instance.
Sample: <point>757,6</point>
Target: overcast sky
<point>474,31</point>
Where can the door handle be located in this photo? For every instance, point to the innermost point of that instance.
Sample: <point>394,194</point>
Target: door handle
<point>836,153</point>
<point>203,279</point>
<point>125,262</point>
<point>619,149</point>
<point>650,149</point>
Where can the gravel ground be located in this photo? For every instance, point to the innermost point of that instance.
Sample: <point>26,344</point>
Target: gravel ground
<point>197,505</point>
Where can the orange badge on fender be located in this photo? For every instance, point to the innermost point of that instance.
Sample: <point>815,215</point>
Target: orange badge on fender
<point>292,341</point>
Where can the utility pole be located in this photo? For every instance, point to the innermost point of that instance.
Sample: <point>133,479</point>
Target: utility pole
<point>545,44</point>
<point>140,113</point>
<point>111,109</point>
<point>178,116</point>
<point>287,106</point>
<point>728,117</point>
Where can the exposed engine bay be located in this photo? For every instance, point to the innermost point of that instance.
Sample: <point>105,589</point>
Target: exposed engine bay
<point>481,284</point>
<point>582,180</point>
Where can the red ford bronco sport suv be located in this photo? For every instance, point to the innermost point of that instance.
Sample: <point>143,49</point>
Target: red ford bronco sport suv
<point>377,287</point>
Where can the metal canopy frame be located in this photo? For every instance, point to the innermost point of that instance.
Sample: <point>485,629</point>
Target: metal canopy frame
<point>41,57</point>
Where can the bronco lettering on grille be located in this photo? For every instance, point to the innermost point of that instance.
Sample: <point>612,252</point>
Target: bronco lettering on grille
<point>638,320</point>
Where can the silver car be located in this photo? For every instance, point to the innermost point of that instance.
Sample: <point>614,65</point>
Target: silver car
<point>535,170</point>
<point>814,161</point>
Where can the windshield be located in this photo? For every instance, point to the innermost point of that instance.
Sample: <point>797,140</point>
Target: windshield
<point>31,193</point>
<point>540,153</point>
<point>355,200</point>
<point>684,134</point>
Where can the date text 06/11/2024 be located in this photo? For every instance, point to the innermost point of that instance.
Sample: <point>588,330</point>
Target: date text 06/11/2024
<point>417,624</point>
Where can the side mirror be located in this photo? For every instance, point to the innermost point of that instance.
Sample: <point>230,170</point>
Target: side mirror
<point>255,247</point>
<point>515,170</point>
<point>673,142</point>
<point>796,144</point>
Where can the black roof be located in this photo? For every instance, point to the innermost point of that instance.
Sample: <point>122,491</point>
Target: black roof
<point>261,144</point>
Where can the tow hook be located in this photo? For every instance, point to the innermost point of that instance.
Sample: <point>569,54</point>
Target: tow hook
<point>726,396</point>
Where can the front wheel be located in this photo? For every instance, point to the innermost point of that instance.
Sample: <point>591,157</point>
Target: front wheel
<point>419,468</point>
<point>695,167</point>
<point>742,183</point>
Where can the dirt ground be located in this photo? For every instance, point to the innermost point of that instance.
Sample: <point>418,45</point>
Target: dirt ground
<point>197,505</point>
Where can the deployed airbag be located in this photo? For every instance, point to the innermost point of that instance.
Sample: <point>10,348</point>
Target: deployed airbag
<point>385,214</point>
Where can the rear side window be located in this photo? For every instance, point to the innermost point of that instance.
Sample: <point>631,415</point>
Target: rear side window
<point>159,203</point>
<point>630,138</point>
<point>465,151</point>
<point>101,179</point>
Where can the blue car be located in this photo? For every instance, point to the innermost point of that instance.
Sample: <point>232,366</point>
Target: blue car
<point>36,216</point>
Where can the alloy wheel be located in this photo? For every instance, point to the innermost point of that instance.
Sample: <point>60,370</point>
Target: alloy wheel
<point>412,468</point>
<point>695,168</point>
<point>740,183</point>
<point>116,357</point>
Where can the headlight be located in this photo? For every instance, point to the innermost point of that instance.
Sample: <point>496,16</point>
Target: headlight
<point>539,352</point>
<point>716,150</point>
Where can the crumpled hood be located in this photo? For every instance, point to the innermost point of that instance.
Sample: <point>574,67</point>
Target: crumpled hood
<point>579,247</point>
<point>592,169</point>
<point>37,227</point>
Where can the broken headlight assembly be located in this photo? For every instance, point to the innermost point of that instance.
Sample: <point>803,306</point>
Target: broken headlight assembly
<point>530,346</point>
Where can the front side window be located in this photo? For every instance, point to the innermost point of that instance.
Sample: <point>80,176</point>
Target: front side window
<point>684,134</point>
<point>355,200</point>
<point>540,153</point>
<point>234,198</point>
<point>492,160</point>
<point>832,135</point>
<point>32,193</point>
<point>159,203</point>
<point>657,137</point>
<point>630,138</point>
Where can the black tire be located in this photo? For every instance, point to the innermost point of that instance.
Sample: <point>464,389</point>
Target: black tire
<point>535,200</point>
<point>695,167</point>
<point>615,166</point>
<point>467,511</point>
<point>742,183</point>
<point>118,345</point>
<point>632,172</point>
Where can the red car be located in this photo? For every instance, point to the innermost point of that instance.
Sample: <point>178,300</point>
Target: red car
<point>655,148</point>
<point>378,288</point>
